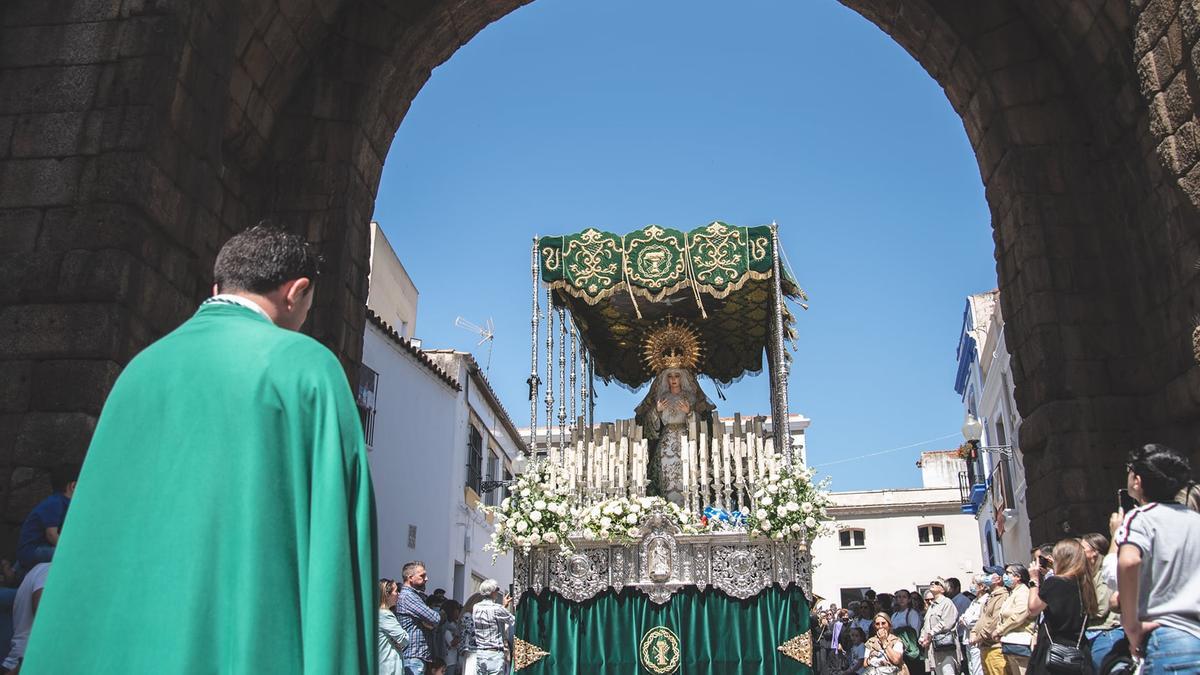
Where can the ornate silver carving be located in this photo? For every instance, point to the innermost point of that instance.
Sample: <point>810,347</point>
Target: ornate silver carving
<point>580,575</point>
<point>742,571</point>
<point>732,562</point>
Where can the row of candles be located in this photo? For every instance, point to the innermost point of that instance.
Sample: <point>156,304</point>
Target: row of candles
<point>721,471</point>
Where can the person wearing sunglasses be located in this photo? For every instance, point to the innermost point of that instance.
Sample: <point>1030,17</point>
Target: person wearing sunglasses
<point>942,654</point>
<point>884,651</point>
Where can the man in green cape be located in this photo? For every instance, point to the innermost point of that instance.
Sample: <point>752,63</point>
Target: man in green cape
<point>224,520</point>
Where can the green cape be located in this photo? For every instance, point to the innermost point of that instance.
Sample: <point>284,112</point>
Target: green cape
<point>224,520</point>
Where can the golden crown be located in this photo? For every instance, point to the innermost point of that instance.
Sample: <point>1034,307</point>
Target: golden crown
<point>672,343</point>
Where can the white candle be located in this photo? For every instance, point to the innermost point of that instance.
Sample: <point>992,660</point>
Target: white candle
<point>703,450</point>
<point>751,459</point>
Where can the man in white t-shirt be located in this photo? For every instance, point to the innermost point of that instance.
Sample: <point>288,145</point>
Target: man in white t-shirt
<point>24,607</point>
<point>1157,559</point>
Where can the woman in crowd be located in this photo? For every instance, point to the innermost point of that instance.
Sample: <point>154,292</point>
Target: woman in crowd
<point>466,636</point>
<point>967,621</point>
<point>450,634</point>
<point>1103,627</point>
<point>1016,625</point>
<point>1157,583</point>
<point>1064,600</point>
<point>884,651</point>
<point>906,625</point>
<point>392,638</point>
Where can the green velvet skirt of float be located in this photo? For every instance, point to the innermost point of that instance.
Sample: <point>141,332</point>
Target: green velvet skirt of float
<point>716,634</point>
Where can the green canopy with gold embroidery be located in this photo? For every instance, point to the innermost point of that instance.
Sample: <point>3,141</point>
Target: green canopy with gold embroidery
<point>618,288</point>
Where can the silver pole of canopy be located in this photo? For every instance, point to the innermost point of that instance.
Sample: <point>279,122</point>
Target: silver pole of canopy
<point>779,407</point>
<point>534,381</point>
<point>549,315</point>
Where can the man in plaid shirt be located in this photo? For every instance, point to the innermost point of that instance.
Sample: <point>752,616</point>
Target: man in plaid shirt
<point>415,617</point>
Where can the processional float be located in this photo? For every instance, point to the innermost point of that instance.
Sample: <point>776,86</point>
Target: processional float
<point>675,540</point>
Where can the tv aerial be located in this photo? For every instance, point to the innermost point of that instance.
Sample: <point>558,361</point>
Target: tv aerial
<point>487,334</point>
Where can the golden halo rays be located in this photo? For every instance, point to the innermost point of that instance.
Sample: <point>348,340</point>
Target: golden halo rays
<point>672,343</point>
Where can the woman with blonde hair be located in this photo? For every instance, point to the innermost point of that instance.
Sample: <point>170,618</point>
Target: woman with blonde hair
<point>1064,600</point>
<point>392,638</point>
<point>884,651</point>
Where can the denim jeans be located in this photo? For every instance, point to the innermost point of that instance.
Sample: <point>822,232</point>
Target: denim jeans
<point>1171,651</point>
<point>1102,643</point>
<point>414,667</point>
<point>489,662</point>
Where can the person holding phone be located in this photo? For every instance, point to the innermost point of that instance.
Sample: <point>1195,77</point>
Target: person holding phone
<point>491,620</point>
<point>1158,555</point>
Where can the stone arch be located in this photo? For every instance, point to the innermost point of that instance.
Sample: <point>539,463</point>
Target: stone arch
<point>135,136</point>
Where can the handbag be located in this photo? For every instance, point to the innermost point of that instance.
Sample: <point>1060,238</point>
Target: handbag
<point>1066,659</point>
<point>945,640</point>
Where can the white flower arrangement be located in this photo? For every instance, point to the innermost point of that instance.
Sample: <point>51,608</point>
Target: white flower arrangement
<point>790,507</point>
<point>618,519</point>
<point>540,511</point>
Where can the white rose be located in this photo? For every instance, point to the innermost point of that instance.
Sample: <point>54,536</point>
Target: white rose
<point>806,507</point>
<point>522,526</point>
<point>550,538</point>
<point>778,535</point>
<point>634,507</point>
<point>772,488</point>
<point>631,519</point>
<point>562,527</point>
<point>795,527</point>
<point>758,494</point>
<point>499,527</point>
<point>767,501</point>
<point>535,539</point>
<point>539,504</point>
<point>604,533</point>
<point>764,525</point>
<point>504,503</point>
<point>788,482</point>
<point>646,502</point>
<point>793,506</point>
<point>781,511</point>
<point>536,516</point>
<point>810,522</point>
<point>633,532</point>
<point>762,514</point>
<point>605,523</point>
<point>525,492</point>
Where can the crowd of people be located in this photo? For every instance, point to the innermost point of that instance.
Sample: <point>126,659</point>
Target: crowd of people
<point>423,634</point>
<point>1092,604</point>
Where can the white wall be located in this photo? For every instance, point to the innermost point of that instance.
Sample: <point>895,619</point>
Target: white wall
<point>414,436</point>
<point>391,294</point>
<point>893,557</point>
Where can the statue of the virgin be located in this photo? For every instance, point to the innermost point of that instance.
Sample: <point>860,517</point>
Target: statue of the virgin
<point>663,414</point>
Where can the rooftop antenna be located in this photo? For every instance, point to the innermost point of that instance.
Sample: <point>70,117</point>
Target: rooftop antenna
<point>487,335</point>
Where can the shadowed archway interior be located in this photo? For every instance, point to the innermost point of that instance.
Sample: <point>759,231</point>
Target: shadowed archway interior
<point>136,136</point>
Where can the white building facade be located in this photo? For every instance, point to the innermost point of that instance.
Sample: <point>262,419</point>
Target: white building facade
<point>994,486</point>
<point>435,432</point>
<point>892,539</point>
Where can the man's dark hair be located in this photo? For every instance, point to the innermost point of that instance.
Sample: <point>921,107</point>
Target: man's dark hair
<point>263,257</point>
<point>953,585</point>
<point>410,569</point>
<point>63,475</point>
<point>1164,472</point>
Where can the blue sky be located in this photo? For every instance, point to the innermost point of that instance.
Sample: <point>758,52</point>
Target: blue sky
<point>618,114</point>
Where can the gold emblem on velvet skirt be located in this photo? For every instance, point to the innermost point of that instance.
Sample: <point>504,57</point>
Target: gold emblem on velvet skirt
<point>660,650</point>
<point>799,648</point>
<point>526,654</point>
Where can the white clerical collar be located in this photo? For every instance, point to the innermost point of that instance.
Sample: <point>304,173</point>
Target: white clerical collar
<point>241,300</point>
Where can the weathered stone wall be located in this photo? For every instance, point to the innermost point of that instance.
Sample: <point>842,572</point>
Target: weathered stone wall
<point>136,135</point>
